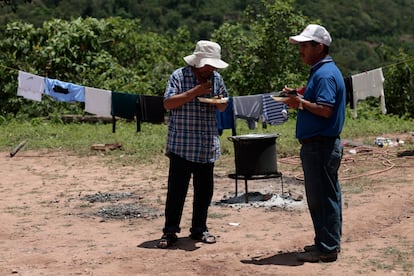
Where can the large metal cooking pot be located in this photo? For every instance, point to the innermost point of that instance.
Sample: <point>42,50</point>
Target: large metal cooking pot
<point>255,154</point>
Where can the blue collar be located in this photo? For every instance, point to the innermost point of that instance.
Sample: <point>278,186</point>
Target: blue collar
<point>321,62</point>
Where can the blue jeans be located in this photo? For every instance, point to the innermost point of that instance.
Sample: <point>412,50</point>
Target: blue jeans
<point>320,162</point>
<point>179,176</point>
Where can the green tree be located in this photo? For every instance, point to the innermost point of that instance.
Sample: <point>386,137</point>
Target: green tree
<point>261,59</point>
<point>399,86</point>
<point>113,54</point>
<point>12,4</point>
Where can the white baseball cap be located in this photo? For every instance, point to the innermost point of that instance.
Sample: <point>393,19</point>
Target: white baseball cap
<point>312,32</point>
<point>206,53</point>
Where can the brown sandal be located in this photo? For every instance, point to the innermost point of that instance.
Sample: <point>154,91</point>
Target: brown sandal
<point>167,240</point>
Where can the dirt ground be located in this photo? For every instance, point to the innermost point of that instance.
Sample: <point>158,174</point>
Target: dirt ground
<point>62,214</point>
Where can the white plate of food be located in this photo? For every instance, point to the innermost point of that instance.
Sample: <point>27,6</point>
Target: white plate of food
<point>213,100</point>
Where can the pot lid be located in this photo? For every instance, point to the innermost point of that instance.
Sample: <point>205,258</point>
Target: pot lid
<point>254,136</point>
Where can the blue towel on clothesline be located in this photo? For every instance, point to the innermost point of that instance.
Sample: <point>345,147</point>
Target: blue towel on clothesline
<point>64,91</point>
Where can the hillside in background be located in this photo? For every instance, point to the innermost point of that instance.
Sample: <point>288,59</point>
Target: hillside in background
<point>202,17</point>
<point>362,29</point>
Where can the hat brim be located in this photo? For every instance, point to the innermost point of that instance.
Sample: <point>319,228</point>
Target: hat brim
<point>194,61</point>
<point>298,39</point>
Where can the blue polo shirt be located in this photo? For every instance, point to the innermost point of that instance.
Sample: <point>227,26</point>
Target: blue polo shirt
<point>325,87</point>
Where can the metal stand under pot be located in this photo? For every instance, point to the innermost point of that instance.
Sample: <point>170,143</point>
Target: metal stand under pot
<point>255,158</point>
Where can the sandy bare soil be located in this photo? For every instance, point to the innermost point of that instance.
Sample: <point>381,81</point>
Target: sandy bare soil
<point>67,215</point>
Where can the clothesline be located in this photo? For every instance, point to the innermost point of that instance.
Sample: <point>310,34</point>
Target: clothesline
<point>11,68</point>
<point>105,103</point>
<point>144,108</point>
<point>397,63</point>
<point>388,65</point>
<point>363,84</point>
<point>251,108</point>
<point>7,67</point>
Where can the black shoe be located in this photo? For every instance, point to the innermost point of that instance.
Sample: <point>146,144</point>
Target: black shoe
<point>317,256</point>
<point>314,247</point>
<point>311,248</point>
<point>167,240</point>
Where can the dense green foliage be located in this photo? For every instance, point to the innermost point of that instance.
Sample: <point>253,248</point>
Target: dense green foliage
<point>108,53</point>
<point>136,51</point>
<point>201,17</point>
<point>360,28</point>
<point>256,68</point>
<point>400,88</point>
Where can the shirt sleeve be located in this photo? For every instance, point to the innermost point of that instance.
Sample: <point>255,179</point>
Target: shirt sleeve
<point>173,86</point>
<point>222,87</point>
<point>326,95</point>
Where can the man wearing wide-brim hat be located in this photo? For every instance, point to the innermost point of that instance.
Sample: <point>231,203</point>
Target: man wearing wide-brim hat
<point>192,96</point>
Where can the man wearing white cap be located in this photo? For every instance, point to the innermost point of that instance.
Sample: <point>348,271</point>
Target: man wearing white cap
<point>193,143</point>
<point>320,119</point>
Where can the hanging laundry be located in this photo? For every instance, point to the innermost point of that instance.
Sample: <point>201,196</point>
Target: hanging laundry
<point>368,84</point>
<point>30,86</point>
<point>64,91</point>
<point>225,119</point>
<point>98,101</point>
<point>249,108</point>
<point>151,109</point>
<point>274,113</point>
<point>124,105</point>
<point>349,91</point>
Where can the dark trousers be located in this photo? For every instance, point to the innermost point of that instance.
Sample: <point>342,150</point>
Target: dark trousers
<point>179,176</point>
<point>320,161</point>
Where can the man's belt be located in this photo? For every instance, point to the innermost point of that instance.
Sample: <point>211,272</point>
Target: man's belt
<point>317,138</point>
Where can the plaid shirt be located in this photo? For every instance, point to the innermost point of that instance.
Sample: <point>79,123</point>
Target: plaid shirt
<point>192,128</point>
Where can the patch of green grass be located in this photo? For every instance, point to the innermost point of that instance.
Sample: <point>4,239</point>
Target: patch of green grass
<point>379,264</point>
<point>392,258</point>
<point>86,205</point>
<point>214,215</point>
<point>148,145</point>
<point>11,208</point>
<point>356,186</point>
<point>22,210</point>
<point>400,257</point>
